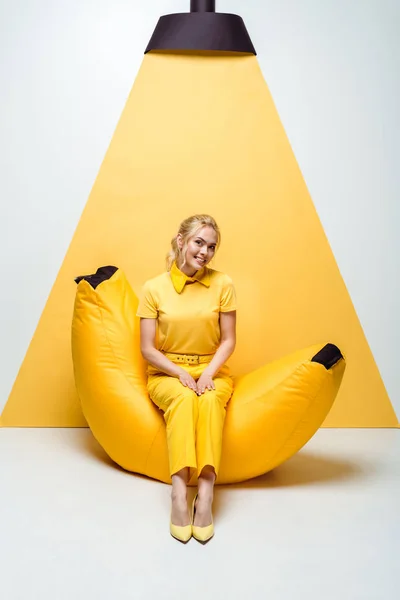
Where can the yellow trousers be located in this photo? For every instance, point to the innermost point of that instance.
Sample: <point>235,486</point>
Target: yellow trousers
<point>194,423</point>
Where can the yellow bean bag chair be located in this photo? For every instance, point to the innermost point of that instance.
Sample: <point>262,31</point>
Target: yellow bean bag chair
<point>273,412</point>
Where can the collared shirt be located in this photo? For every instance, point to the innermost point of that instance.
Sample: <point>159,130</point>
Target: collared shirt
<point>187,309</point>
<point>179,279</point>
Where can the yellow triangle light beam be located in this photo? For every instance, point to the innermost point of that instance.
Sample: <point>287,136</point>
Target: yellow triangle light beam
<point>200,133</point>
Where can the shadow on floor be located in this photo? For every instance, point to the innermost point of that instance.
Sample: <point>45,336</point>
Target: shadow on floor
<point>90,446</point>
<point>305,468</point>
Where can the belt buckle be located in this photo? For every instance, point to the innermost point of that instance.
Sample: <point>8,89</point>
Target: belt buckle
<point>192,359</point>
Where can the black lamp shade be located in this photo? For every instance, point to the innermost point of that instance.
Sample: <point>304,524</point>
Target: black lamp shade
<point>201,29</point>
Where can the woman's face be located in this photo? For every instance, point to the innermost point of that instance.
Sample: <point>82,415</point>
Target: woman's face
<point>201,249</point>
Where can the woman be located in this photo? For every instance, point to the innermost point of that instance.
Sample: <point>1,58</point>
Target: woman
<point>188,331</point>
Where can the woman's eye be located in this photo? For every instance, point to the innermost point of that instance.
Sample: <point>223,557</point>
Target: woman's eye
<point>212,248</point>
<point>198,242</point>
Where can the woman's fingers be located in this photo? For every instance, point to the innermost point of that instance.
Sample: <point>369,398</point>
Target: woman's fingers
<point>200,387</point>
<point>189,382</point>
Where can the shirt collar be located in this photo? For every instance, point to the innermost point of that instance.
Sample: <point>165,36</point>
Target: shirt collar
<point>179,279</point>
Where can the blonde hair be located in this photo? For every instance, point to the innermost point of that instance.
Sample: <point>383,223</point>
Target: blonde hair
<point>188,229</point>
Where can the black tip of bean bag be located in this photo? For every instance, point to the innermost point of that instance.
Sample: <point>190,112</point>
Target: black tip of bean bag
<point>102,274</point>
<point>328,356</point>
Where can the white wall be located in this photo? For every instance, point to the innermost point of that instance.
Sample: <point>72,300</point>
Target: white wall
<point>66,69</point>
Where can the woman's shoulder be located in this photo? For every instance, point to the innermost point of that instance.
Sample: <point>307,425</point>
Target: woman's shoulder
<point>219,276</point>
<point>157,282</point>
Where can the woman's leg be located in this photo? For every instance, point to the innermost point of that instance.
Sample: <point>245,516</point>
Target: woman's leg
<point>179,507</point>
<point>180,408</point>
<point>205,496</point>
<point>210,426</point>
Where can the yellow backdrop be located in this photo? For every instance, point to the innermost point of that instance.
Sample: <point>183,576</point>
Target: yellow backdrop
<point>200,133</point>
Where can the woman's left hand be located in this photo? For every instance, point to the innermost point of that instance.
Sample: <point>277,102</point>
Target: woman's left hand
<point>205,382</point>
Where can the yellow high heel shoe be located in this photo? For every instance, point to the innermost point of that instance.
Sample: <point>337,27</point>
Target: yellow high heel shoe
<point>201,534</point>
<point>182,534</point>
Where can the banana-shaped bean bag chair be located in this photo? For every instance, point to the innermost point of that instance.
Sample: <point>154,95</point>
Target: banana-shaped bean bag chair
<point>273,412</point>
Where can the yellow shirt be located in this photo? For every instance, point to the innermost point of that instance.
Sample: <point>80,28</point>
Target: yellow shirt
<point>187,309</point>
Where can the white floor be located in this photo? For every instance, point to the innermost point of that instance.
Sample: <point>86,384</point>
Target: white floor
<point>324,525</point>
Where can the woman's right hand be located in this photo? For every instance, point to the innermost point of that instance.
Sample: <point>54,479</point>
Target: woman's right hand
<point>187,380</point>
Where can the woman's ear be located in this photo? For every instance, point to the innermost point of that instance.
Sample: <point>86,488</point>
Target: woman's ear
<point>179,241</point>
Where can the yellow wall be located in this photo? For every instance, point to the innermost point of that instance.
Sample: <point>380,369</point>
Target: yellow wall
<point>200,133</point>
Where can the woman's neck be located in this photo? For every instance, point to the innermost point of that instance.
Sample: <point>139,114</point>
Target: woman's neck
<point>187,271</point>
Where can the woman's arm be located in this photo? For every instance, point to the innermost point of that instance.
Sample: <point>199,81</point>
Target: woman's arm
<point>225,350</point>
<point>157,358</point>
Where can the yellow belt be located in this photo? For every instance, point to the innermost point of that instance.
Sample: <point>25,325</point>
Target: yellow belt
<point>190,359</point>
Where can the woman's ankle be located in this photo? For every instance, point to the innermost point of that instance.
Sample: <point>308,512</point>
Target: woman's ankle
<point>206,482</point>
<point>179,496</point>
<point>179,484</point>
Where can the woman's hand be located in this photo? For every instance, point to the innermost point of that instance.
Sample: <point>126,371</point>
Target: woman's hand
<point>205,382</point>
<point>187,380</point>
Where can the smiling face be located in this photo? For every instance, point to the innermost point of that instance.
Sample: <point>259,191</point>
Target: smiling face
<point>200,250</point>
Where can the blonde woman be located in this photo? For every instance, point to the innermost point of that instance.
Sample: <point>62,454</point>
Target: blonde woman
<point>188,332</point>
